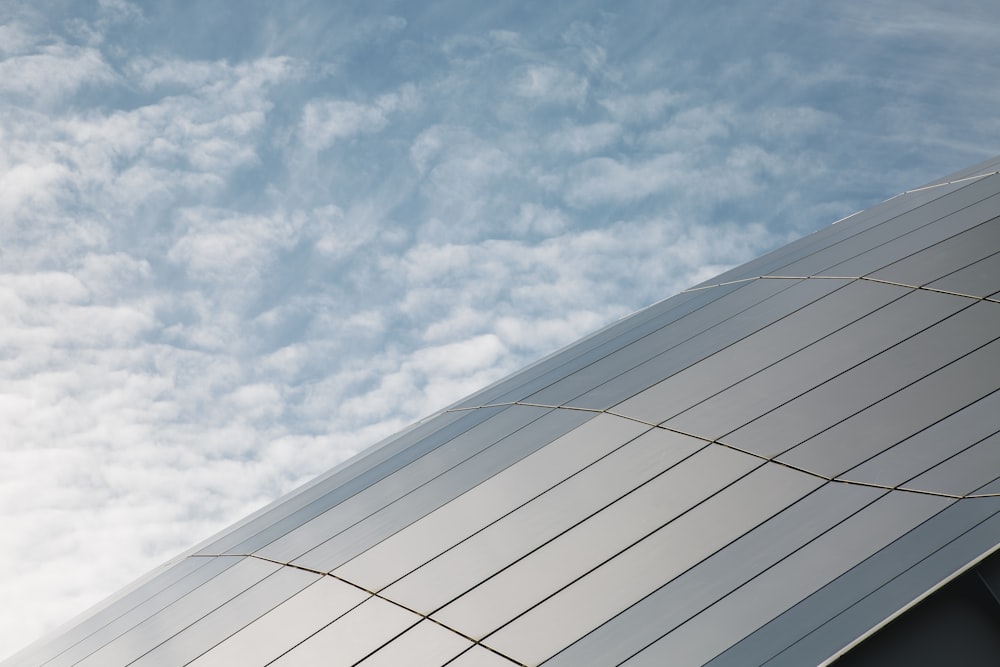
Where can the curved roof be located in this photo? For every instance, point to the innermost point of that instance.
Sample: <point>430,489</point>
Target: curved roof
<point>764,469</point>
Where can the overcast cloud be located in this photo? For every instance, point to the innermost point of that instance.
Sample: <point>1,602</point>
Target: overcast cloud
<point>240,241</point>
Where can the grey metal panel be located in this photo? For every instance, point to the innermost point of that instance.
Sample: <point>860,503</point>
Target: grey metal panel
<point>758,351</point>
<point>844,610</point>
<point>424,499</point>
<point>991,488</point>
<point>807,368</point>
<point>542,519</point>
<point>860,387</point>
<point>105,612</point>
<point>989,166</point>
<point>716,313</point>
<point>691,351</point>
<point>631,575</point>
<point>351,502</point>
<point>100,630</point>
<point>600,537</point>
<point>426,643</point>
<point>942,258</point>
<point>810,568</point>
<point>683,597</point>
<point>172,619</point>
<point>480,657</point>
<point>900,464</point>
<point>981,278</point>
<point>499,495</point>
<point>578,355</point>
<point>921,236</point>
<point>965,472</point>
<point>286,625</point>
<point>228,619</point>
<point>344,480</point>
<point>848,256</point>
<point>351,637</point>
<point>899,416</point>
<point>772,262</point>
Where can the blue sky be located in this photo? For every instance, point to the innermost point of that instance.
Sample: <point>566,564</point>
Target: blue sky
<point>239,241</point>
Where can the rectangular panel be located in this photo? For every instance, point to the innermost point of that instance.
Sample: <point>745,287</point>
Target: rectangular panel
<point>899,416</point>
<point>815,364</point>
<point>344,480</point>
<point>481,657</point>
<point>358,501</point>
<point>285,626</point>
<point>351,637</point>
<point>911,457</point>
<point>108,630</point>
<point>993,488</point>
<point>778,261</point>
<point>719,312</point>
<point>106,611</point>
<point>345,545</point>
<point>986,168</point>
<point>601,537</point>
<point>705,344</point>
<point>542,519</point>
<point>228,619</point>
<point>808,569</point>
<point>637,572</point>
<point>757,351</point>
<point>942,258</point>
<point>979,279</point>
<point>909,568</point>
<point>426,643</point>
<point>854,256</point>
<point>172,619</point>
<point>921,237</point>
<point>727,569</point>
<point>597,345</point>
<point>888,372</point>
<point>481,505</point>
<point>965,472</point>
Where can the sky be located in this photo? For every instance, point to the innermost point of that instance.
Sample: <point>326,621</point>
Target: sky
<point>242,240</point>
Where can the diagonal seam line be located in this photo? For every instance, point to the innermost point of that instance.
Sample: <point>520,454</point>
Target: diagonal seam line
<point>839,480</point>
<point>868,278</point>
<point>369,592</point>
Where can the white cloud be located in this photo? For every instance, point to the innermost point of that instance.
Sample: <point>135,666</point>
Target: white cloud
<point>231,250</point>
<point>52,74</point>
<point>549,84</point>
<point>584,139</point>
<point>15,39</point>
<point>692,129</point>
<point>599,180</point>
<point>639,107</point>
<point>326,121</point>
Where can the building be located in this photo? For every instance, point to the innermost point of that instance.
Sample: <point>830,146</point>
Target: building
<point>795,463</point>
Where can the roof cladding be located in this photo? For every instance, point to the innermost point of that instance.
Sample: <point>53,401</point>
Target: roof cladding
<point>794,463</point>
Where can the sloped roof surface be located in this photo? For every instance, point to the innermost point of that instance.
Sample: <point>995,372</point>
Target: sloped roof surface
<point>760,470</point>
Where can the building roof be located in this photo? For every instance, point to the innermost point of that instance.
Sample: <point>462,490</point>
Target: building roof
<point>767,468</point>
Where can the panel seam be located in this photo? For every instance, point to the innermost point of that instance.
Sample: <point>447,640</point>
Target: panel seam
<point>712,441</point>
<point>371,593</point>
